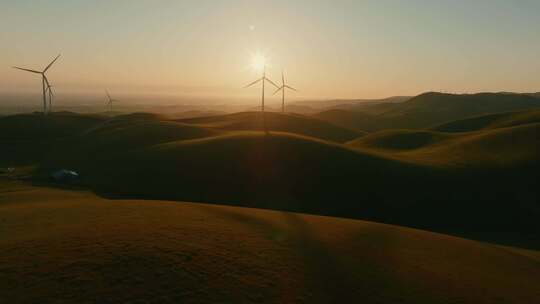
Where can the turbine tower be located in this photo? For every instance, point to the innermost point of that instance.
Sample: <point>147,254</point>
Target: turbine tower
<point>50,92</point>
<point>110,100</point>
<point>263,79</point>
<point>44,81</point>
<point>282,89</point>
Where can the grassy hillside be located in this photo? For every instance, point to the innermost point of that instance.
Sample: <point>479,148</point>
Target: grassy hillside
<point>137,134</point>
<point>292,123</point>
<point>429,109</point>
<point>289,172</point>
<point>76,247</point>
<point>399,139</point>
<point>504,147</point>
<point>499,147</point>
<point>498,120</point>
<point>419,179</point>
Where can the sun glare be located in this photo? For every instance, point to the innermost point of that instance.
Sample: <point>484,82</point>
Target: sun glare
<point>258,62</point>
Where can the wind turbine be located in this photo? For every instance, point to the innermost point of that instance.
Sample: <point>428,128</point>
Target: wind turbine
<point>51,93</point>
<point>44,81</point>
<point>263,79</point>
<point>110,100</point>
<point>282,89</point>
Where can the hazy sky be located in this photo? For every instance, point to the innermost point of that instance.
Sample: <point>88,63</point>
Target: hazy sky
<point>329,49</point>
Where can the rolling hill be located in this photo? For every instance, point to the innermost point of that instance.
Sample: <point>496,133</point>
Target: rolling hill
<point>399,139</point>
<point>430,109</point>
<point>121,136</point>
<point>75,247</point>
<point>37,126</point>
<point>277,171</point>
<point>498,120</point>
<point>499,147</point>
<point>353,120</point>
<point>327,104</point>
<point>292,123</point>
<point>428,184</point>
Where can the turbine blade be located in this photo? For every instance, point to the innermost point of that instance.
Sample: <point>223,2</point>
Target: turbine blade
<point>271,82</point>
<point>28,70</point>
<point>279,89</point>
<point>282,77</point>
<point>291,88</point>
<point>108,95</point>
<point>253,83</point>
<point>51,63</point>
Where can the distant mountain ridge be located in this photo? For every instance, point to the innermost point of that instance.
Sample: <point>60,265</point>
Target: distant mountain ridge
<point>428,109</point>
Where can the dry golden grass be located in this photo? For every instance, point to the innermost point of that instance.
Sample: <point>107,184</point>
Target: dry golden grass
<point>60,246</point>
<point>490,148</point>
<point>491,121</point>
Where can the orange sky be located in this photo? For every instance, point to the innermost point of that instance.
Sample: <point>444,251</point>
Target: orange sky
<point>329,49</point>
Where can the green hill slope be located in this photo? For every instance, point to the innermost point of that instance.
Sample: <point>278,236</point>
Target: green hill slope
<point>75,247</point>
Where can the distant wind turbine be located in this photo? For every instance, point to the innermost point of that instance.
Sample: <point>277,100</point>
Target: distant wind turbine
<point>44,81</point>
<point>50,92</point>
<point>263,79</point>
<point>282,89</point>
<point>110,100</point>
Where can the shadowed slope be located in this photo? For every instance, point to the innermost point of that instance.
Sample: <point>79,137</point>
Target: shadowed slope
<point>75,247</point>
<point>290,172</point>
<point>39,127</point>
<point>292,123</point>
<point>68,135</point>
<point>352,119</point>
<point>138,134</point>
<point>499,120</point>
<point>429,183</point>
<point>240,167</point>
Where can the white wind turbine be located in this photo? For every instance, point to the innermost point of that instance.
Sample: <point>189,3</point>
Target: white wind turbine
<point>263,79</point>
<point>44,81</point>
<point>282,89</point>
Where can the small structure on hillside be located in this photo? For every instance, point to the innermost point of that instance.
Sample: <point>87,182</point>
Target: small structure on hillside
<point>8,170</point>
<point>64,176</point>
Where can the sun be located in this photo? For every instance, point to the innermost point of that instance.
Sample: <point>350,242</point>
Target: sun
<point>258,62</point>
